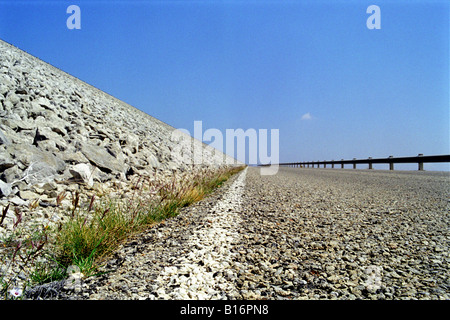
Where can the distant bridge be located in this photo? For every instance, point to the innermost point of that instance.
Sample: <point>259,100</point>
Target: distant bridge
<point>419,159</point>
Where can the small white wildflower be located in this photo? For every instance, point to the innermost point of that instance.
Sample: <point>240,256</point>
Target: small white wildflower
<point>16,292</point>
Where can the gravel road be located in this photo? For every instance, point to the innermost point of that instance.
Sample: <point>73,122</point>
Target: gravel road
<point>301,234</point>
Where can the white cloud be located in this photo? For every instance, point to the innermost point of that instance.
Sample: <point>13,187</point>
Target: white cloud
<point>307,116</point>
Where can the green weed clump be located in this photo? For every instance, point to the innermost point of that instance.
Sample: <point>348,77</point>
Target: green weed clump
<point>95,229</point>
<point>93,233</point>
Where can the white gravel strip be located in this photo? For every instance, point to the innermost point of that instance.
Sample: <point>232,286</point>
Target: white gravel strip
<point>205,273</point>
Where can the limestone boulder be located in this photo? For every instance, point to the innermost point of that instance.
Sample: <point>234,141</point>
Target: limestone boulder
<point>83,172</point>
<point>101,158</point>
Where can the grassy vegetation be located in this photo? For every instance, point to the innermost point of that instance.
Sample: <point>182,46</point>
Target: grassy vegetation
<point>93,233</point>
<point>94,230</point>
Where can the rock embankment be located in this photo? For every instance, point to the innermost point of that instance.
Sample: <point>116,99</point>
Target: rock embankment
<point>59,135</point>
<point>56,130</point>
<point>51,121</point>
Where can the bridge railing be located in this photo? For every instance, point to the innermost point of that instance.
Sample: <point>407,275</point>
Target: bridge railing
<point>419,159</point>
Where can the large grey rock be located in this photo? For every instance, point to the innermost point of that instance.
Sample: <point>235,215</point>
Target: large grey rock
<point>153,161</point>
<point>13,98</point>
<point>28,195</point>
<point>5,189</point>
<point>82,172</point>
<point>5,162</point>
<point>11,174</point>
<point>102,159</point>
<point>3,139</point>
<point>42,134</point>
<point>44,103</point>
<point>38,166</point>
<point>73,157</point>
<point>115,150</point>
<point>40,172</point>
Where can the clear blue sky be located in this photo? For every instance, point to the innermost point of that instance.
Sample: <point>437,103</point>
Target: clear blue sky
<point>262,65</point>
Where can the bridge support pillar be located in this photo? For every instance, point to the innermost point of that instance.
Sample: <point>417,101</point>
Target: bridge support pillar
<point>420,163</point>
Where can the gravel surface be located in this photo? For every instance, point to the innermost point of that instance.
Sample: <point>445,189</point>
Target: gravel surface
<point>301,234</point>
